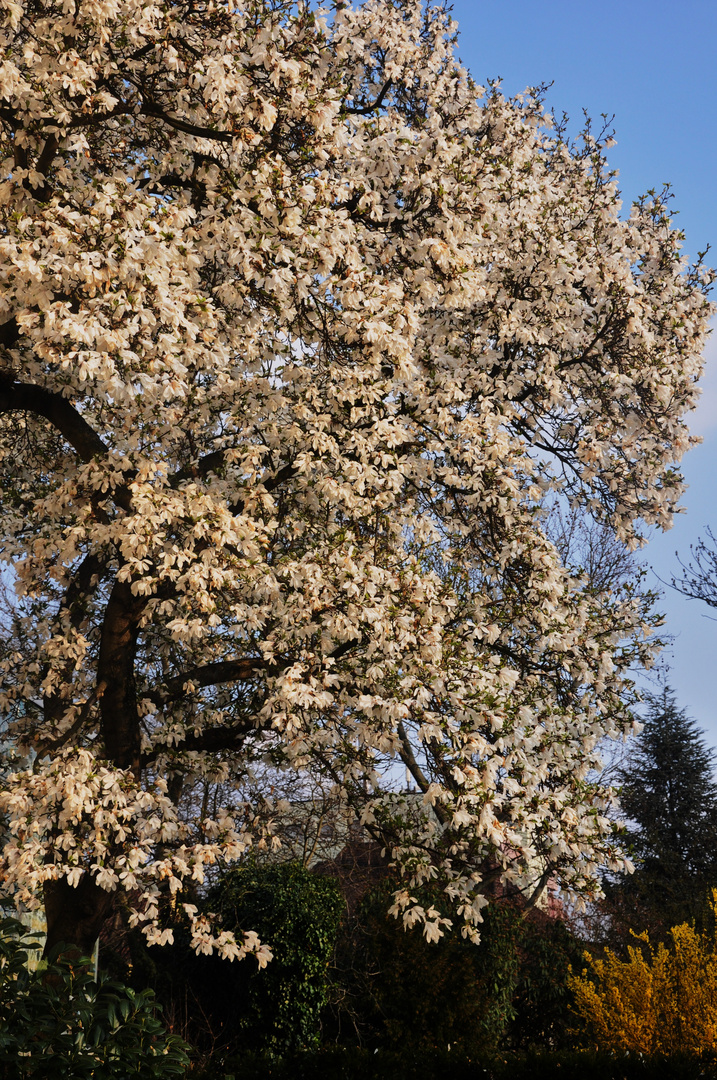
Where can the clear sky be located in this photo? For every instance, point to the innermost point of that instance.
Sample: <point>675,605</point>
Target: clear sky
<point>653,66</point>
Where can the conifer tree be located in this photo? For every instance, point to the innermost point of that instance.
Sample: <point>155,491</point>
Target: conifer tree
<point>669,797</point>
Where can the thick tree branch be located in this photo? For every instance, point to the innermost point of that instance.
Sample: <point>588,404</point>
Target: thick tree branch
<point>25,397</point>
<point>148,108</point>
<point>409,760</point>
<point>538,890</point>
<point>49,746</point>
<point>43,164</point>
<point>9,333</point>
<point>94,119</point>
<point>236,670</point>
<point>75,914</point>
<point>55,704</point>
<point>215,462</point>
<point>223,671</point>
<point>212,740</point>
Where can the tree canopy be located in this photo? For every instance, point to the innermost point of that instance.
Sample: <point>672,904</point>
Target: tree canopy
<point>301,331</point>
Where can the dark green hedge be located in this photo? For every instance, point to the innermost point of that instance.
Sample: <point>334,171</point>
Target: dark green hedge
<point>356,1064</point>
<point>223,1008</point>
<point>297,914</point>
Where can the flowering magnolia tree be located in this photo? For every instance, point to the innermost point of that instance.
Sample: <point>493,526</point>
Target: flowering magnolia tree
<point>301,330</point>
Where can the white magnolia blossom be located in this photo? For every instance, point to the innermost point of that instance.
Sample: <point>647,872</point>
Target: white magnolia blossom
<point>74,816</point>
<point>300,330</point>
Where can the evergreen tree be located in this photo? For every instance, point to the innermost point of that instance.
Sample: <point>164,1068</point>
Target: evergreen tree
<point>669,797</point>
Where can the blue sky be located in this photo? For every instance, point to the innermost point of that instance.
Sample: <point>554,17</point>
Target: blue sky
<point>654,67</point>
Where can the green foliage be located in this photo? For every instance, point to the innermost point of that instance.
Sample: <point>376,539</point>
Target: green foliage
<point>670,797</point>
<point>57,1021</point>
<point>396,990</point>
<point>542,997</point>
<point>298,914</point>
<point>497,962</point>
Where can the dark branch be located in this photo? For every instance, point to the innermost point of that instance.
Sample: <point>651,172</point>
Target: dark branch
<point>148,109</point>
<point>94,119</point>
<point>211,740</point>
<point>52,745</point>
<point>699,576</point>
<point>237,670</point>
<point>364,110</point>
<point>409,760</point>
<point>215,462</point>
<point>47,155</point>
<point>183,183</point>
<point>24,397</point>
<point>222,671</point>
<point>9,333</point>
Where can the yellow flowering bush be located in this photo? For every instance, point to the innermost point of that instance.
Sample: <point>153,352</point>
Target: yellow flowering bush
<point>660,1000</point>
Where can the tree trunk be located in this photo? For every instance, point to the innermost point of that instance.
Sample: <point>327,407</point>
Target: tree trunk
<point>75,915</point>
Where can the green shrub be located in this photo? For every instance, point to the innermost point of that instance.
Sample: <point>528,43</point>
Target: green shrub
<point>542,999</point>
<point>57,1021</point>
<point>394,989</point>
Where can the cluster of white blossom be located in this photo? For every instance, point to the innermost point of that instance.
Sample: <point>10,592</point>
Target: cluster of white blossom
<point>75,817</point>
<point>300,331</point>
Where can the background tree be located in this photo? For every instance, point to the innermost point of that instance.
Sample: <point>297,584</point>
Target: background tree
<point>292,313</point>
<point>699,575</point>
<point>669,797</point>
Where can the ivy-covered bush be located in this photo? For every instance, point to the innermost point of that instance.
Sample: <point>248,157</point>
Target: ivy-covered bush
<point>236,1006</point>
<point>298,915</point>
<point>57,1021</point>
